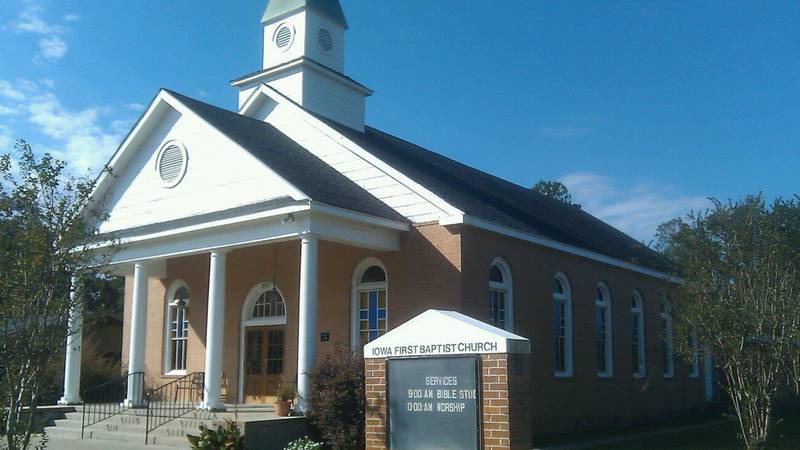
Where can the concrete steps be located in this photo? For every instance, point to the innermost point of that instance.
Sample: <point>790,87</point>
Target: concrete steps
<point>126,431</point>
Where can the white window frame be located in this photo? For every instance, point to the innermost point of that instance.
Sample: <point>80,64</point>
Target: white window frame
<point>356,288</point>
<point>668,352</point>
<point>507,287</point>
<point>694,370</point>
<point>167,356</point>
<point>566,298</point>
<point>608,343</point>
<point>637,315</point>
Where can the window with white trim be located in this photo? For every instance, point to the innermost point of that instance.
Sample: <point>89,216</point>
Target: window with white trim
<point>637,335</point>
<point>562,326</point>
<point>500,295</point>
<point>667,352</point>
<point>371,302</point>
<point>602,331</point>
<point>694,370</point>
<point>268,304</point>
<point>177,324</point>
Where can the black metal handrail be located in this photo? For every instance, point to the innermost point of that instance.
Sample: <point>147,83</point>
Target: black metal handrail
<point>173,400</point>
<point>108,399</point>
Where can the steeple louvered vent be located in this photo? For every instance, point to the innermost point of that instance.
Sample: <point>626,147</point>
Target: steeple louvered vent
<point>172,163</point>
<point>284,36</point>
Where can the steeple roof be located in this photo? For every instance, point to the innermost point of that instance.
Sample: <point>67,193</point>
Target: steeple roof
<point>328,8</point>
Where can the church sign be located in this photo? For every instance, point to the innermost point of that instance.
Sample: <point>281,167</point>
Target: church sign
<point>442,381</point>
<point>433,396</point>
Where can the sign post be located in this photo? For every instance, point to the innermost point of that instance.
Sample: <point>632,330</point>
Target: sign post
<point>445,381</point>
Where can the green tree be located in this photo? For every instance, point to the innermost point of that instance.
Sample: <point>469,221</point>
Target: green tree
<point>45,233</point>
<point>555,190</point>
<point>740,262</point>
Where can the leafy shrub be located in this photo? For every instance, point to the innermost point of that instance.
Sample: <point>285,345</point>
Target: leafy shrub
<point>304,443</point>
<point>286,392</point>
<point>228,437</point>
<point>337,399</point>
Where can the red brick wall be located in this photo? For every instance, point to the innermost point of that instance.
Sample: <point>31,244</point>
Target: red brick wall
<point>583,401</point>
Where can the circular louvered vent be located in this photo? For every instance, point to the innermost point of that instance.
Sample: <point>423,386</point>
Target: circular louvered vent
<point>325,40</point>
<point>284,36</point>
<point>171,163</point>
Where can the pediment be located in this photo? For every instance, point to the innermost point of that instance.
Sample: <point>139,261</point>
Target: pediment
<point>219,174</point>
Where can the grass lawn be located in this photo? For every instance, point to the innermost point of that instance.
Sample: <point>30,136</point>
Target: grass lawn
<point>716,436</point>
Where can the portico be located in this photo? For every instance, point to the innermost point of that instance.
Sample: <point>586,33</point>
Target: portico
<point>162,255</point>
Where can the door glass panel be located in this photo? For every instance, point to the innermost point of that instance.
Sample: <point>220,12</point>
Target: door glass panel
<point>275,352</point>
<point>254,346</point>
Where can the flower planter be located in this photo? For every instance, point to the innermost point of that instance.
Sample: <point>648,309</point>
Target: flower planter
<point>282,408</point>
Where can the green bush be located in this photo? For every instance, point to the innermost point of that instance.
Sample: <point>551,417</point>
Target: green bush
<point>337,399</point>
<point>228,437</point>
<point>304,443</point>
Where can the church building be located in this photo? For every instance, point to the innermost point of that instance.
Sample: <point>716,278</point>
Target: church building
<point>256,240</point>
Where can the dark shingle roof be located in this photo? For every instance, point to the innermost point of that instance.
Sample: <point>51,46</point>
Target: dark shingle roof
<point>295,164</point>
<point>490,198</point>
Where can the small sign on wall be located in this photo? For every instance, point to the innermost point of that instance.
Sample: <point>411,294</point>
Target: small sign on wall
<point>324,336</point>
<point>433,403</point>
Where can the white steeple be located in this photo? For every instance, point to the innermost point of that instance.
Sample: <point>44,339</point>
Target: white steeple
<point>304,60</point>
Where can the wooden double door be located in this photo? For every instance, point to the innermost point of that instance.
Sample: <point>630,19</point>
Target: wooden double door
<point>264,362</point>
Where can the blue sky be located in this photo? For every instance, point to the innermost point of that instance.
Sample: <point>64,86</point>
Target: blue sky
<point>643,109</point>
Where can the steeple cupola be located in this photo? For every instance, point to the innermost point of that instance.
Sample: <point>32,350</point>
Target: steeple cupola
<point>304,60</point>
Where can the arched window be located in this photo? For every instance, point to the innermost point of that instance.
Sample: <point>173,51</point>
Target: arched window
<point>501,307</point>
<point>562,326</point>
<point>666,339</point>
<point>370,302</point>
<point>694,371</point>
<point>602,331</point>
<point>177,328</point>
<point>264,306</point>
<point>637,335</point>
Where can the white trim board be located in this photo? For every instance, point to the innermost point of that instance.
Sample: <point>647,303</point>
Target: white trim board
<point>560,246</point>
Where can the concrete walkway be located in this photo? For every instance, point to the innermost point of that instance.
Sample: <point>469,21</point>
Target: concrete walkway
<point>593,443</point>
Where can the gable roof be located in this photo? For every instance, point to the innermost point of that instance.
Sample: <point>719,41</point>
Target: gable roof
<point>295,164</point>
<point>496,200</point>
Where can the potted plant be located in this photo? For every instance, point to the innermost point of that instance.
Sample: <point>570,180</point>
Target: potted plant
<point>285,396</point>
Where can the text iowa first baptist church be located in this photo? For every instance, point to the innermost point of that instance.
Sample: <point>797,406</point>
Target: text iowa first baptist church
<point>257,239</point>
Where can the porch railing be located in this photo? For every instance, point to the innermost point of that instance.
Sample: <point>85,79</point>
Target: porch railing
<point>108,399</point>
<point>173,400</point>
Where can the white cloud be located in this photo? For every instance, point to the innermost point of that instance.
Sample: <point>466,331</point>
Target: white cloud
<point>5,139</point>
<point>8,111</point>
<point>86,143</point>
<point>636,209</point>
<point>51,44</point>
<point>138,107</point>
<point>85,137</point>
<point>52,47</point>
<point>10,91</point>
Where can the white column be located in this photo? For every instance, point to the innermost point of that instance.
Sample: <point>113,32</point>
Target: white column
<point>214,332</point>
<point>135,396</point>
<point>307,316</point>
<point>72,364</point>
